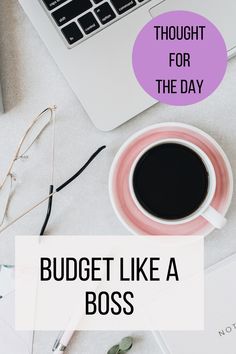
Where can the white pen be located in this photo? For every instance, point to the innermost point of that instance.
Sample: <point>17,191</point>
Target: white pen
<point>64,337</point>
<point>62,341</point>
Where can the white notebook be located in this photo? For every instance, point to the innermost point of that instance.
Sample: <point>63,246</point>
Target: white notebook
<point>219,336</point>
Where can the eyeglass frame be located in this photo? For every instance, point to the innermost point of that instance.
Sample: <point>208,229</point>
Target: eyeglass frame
<point>16,157</point>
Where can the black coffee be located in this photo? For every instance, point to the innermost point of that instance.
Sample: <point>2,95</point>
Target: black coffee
<point>170,181</point>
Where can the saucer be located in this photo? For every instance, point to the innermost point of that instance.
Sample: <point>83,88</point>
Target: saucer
<point>125,208</point>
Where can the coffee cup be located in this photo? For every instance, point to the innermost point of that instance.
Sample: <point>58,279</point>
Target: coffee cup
<point>173,181</point>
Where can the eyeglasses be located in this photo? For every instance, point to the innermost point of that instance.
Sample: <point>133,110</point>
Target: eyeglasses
<point>33,133</point>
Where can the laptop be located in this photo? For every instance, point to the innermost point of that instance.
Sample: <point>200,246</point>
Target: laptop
<point>92,40</point>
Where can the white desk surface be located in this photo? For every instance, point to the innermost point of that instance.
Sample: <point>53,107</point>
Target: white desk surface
<point>31,81</point>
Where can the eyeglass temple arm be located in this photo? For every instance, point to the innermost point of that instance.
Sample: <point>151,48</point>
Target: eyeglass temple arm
<point>65,184</point>
<point>49,210</point>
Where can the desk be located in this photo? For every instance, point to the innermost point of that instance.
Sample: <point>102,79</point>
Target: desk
<point>31,81</point>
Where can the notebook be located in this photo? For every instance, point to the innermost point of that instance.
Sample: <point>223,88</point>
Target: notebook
<point>219,336</point>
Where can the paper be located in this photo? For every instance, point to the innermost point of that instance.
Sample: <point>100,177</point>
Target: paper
<point>220,317</point>
<point>11,341</point>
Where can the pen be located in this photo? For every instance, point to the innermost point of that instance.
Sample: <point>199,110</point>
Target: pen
<point>64,337</point>
<point>62,341</point>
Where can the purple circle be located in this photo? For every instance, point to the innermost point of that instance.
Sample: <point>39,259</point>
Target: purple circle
<point>205,58</point>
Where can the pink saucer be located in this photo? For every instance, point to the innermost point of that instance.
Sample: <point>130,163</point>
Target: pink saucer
<point>121,199</point>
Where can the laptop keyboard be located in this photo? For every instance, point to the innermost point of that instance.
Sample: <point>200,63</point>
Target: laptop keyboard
<point>78,20</point>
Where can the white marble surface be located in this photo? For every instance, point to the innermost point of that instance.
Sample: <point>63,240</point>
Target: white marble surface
<point>31,81</point>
